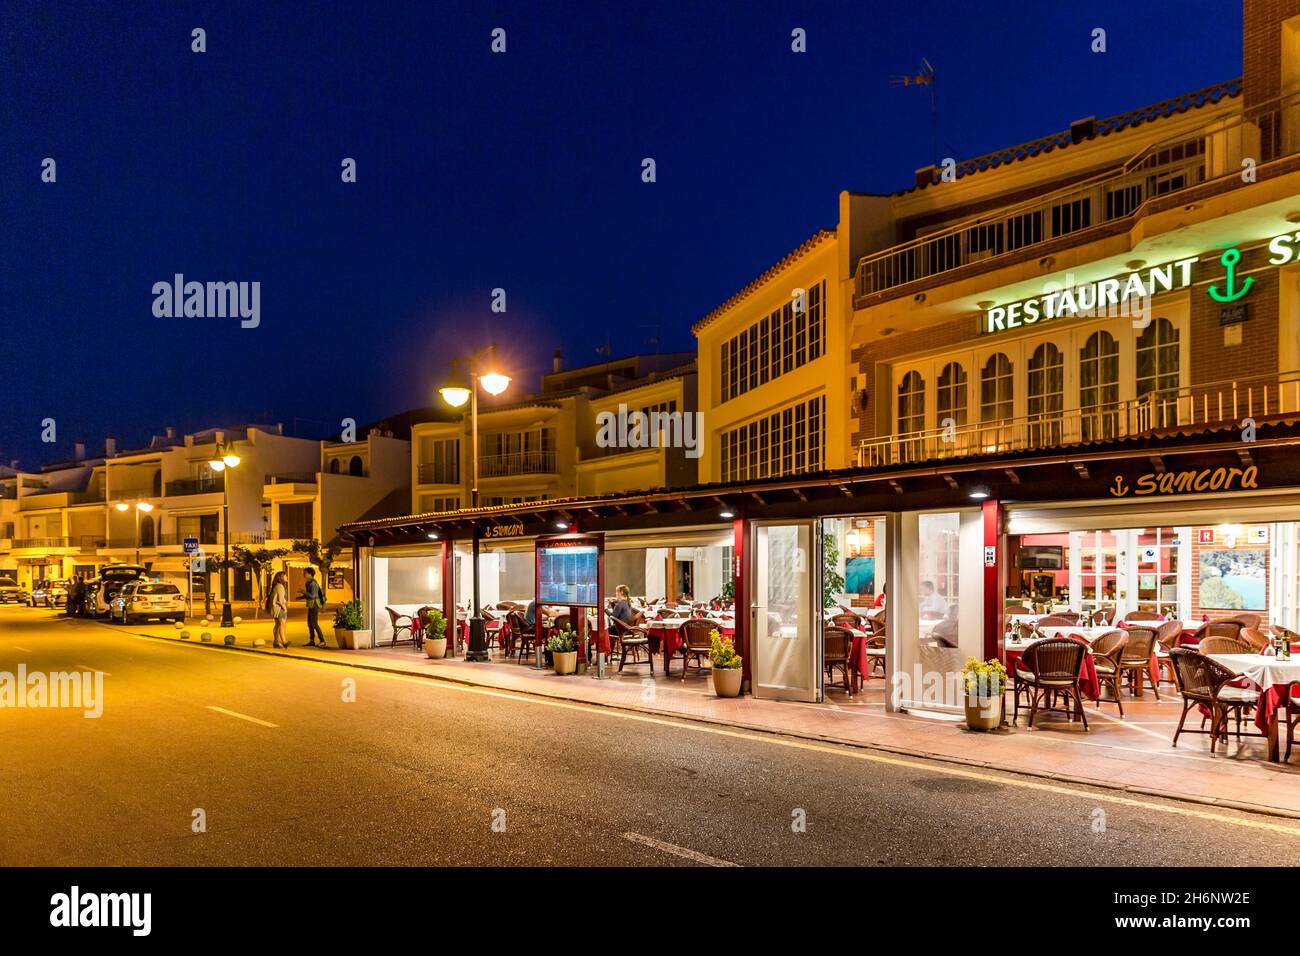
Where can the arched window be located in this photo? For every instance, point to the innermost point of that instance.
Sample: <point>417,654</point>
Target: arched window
<point>146,531</point>
<point>950,398</point>
<point>1157,357</point>
<point>157,484</point>
<point>997,403</point>
<point>1099,387</point>
<point>355,467</point>
<point>911,403</point>
<point>1046,395</point>
<point>334,465</point>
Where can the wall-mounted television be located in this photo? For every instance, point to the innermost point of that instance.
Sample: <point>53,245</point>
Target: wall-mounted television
<point>1042,557</point>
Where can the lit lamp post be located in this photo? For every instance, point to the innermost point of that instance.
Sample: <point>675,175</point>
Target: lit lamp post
<point>456,393</point>
<point>223,459</point>
<point>140,506</point>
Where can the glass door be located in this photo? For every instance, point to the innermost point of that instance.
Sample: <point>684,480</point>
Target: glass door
<point>785,611</point>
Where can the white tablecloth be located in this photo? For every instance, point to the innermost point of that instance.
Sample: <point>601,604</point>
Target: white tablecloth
<point>1091,633</point>
<point>1263,670</point>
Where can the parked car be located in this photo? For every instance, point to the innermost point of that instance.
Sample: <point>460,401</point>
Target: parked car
<point>112,578</point>
<point>141,600</point>
<point>48,594</point>
<point>10,592</point>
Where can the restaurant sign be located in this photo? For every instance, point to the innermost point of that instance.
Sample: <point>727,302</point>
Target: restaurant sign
<point>515,530</point>
<point>1126,294</point>
<point>1182,482</point>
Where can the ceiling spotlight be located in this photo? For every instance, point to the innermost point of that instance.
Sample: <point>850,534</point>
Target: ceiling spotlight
<point>728,514</point>
<point>1133,264</point>
<point>562,525</point>
<point>433,536</point>
<point>979,492</point>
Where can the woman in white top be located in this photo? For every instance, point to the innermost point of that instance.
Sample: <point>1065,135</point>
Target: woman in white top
<point>279,609</point>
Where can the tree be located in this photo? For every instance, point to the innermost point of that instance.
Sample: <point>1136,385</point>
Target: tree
<point>320,555</point>
<point>832,580</point>
<point>257,562</point>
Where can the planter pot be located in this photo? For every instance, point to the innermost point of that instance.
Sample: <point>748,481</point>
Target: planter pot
<point>353,640</point>
<point>983,713</point>
<point>436,649</point>
<point>566,662</point>
<point>726,681</point>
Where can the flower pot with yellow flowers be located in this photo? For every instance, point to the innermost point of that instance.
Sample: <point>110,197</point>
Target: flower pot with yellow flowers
<point>563,646</point>
<point>984,682</point>
<point>726,663</point>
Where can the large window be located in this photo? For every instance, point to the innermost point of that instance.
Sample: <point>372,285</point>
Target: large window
<point>295,520</point>
<point>997,402</point>
<point>786,442</point>
<point>1046,394</point>
<point>1099,387</point>
<point>911,403</point>
<point>950,397</point>
<point>780,342</point>
<point>1157,371</point>
<point>439,461</point>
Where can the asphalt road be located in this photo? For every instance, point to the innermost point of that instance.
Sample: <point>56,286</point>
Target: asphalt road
<point>287,770</point>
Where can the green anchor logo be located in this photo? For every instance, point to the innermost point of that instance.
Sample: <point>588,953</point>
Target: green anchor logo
<point>1230,258</point>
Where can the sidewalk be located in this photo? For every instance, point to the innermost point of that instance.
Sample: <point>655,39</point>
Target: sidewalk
<point>1132,755</point>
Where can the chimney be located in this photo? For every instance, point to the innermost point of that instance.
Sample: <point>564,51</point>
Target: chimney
<point>110,446</point>
<point>557,361</point>
<point>79,449</point>
<point>171,431</point>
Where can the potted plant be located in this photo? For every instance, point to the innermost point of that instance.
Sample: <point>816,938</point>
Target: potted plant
<point>984,682</point>
<point>435,633</point>
<point>726,665</point>
<point>563,646</point>
<point>350,631</point>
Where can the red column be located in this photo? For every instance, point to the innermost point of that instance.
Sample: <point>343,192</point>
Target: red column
<point>449,594</point>
<point>740,583</point>
<point>992,587</point>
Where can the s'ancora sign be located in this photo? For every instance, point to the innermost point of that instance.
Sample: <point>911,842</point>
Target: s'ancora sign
<point>1125,294</point>
<point>1182,482</point>
<point>514,530</point>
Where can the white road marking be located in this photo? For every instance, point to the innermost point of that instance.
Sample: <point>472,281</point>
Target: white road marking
<point>235,713</point>
<point>93,670</point>
<point>25,650</point>
<point>675,850</point>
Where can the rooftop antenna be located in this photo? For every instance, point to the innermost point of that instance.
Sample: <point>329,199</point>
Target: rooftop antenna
<point>924,78</point>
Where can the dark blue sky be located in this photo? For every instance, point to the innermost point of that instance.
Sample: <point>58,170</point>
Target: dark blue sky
<point>475,171</point>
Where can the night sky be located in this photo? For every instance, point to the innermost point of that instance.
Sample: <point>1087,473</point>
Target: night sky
<point>474,171</point>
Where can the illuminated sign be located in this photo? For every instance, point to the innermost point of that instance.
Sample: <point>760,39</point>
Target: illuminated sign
<point>506,530</point>
<point>1181,482</point>
<point>1125,294</point>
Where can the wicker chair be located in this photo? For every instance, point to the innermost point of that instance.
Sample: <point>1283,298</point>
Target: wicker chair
<point>697,641</point>
<point>1059,620</point>
<point>1168,634</point>
<point>1223,645</point>
<point>1050,667</point>
<point>1257,639</point>
<point>401,622</point>
<point>847,619</point>
<point>632,640</point>
<point>1245,619</point>
<point>1104,617</point>
<point>1106,653</point>
<point>522,639</point>
<point>877,625</point>
<point>1223,627</point>
<point>1208,683</point>
<point>836,643</point>
<point>1016,609</point>
<point>1136,660</point>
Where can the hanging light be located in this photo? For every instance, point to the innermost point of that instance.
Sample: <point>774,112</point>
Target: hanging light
<point>455,393</point>
<point>494,383</point>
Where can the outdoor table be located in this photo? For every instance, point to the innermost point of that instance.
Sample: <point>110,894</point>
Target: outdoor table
<point>1274,678</point>
<point>1088,682</point>
<point>667,631</point>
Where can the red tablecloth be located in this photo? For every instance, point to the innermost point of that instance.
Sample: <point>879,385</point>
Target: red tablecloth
<point>859,659</point>
<point>1088,682</point>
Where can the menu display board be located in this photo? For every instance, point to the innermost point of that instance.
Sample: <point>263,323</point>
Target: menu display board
<point>566,575</point>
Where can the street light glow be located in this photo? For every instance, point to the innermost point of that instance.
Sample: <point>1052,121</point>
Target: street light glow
<point>454,395</point>
<point>144,506</point>
<point>494,383</point>
<point>121,506</point>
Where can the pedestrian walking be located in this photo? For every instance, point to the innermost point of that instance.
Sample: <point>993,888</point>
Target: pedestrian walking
<point>279,609</point>
<point>315,598</point>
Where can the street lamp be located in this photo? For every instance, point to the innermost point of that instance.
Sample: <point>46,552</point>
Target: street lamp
<point>140,507</point>
<point>225,458</point>
<point>456,393</point>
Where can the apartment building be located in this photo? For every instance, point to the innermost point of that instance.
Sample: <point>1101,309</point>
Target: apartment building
<point>74,517</point>
<point>548,445</point>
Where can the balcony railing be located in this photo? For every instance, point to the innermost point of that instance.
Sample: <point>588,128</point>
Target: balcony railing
<point>1218,405</point>
<point>438,473</point>
<point>83,541</point>
<point>517,463</point>
<point>1171,166</point>
<point>195,486</point>
<point>292,478</point>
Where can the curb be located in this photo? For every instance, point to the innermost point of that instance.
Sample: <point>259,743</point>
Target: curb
<point>1134,789</point>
